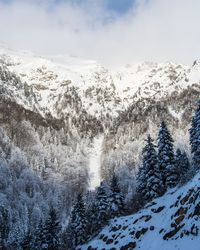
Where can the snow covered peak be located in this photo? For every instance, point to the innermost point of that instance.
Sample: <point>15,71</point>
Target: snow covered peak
<point>102,92</point>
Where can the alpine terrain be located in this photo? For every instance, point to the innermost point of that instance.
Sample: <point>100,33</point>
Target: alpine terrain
<point>94,157</point>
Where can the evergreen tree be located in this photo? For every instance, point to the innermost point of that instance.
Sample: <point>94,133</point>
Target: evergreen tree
<point>51,231</point>
<point>183,164</point>
<point>92,214</point>
<point>116,198</point>
<point>78,223</point>
<point>150,183</point>
<point>38,237</point>
<point>102,205</point>
<point>26,244</point>
<point>166,159</point>
<point>154,182</point>
<point>4,226</point>
<point>195,138</point>
<point>141,182</point>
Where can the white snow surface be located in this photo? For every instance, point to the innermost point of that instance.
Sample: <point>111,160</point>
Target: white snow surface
<point>123,230</point>
<point>101,90</point>
<point>95,162</point>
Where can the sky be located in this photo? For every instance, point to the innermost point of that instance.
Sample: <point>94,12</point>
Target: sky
<point>113,32</point>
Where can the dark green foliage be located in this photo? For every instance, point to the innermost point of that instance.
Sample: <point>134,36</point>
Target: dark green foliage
<point>51,231</point>
<point>183,164</point>
<point>26,244</point>
<point>92,215</point>
<point>102,205</point>
<point>116,198</point>
<point>166,161</point>
<point>78,223</point>
<point>149,179</point>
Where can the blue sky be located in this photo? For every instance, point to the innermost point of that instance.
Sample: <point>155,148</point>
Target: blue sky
<point>120,7</point>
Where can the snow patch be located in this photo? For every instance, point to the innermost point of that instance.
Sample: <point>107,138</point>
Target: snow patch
<point>175,114</point>
<point>95,162</point>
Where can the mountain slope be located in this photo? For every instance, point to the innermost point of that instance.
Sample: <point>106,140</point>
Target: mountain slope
<point>84,98</point>
<point>169,222</point>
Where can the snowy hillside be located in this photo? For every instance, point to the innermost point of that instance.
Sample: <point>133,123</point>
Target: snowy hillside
<point>101,91</point>
<point>169,222</point>
<point>70,94</point>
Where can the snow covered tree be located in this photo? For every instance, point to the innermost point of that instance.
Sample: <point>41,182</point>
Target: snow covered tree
<point>92,214</point>
<point>51,231</point>
<point>103,204</point>
<point>78,223</point>
<point>26,244</point>
<point>116,198</point>
<point>195,138</point>
<point>154,182</point>
<point>166,160</point>
<point>150,184</point>
<point>38,237</point>
<point>183,164</point>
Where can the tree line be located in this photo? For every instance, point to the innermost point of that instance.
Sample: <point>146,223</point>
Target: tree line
<point>161,169</point>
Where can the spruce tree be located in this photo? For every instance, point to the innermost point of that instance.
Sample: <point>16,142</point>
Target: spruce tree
<point>51,231</point>
<point>195,138</point>
<point>183,164</point>
<point>92,215</point>
<point>102,205</point>
<point>116,198</point>
<point>26,244</point>
<point>154,182</point>
<point>38,237</point>
<point>150,183</point>
<point>166,160</point>
<point>78,223</point>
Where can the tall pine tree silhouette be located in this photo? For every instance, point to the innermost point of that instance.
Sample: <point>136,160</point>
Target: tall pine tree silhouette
<point>116,198</point>
<point>150,182</point>
<point>51,230</point>
<point>78,223</point>
<point>166,161</point>
<point>183,164</point>
<point>102,204</point>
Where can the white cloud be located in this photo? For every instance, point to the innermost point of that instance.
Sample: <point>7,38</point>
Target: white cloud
<point>158,30</point>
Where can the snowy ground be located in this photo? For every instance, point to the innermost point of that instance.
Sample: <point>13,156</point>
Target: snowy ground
<point>95,162</point>
<point>170,222</point>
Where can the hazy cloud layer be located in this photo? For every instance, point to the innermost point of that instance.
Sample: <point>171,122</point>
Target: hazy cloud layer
<point>158,30</point>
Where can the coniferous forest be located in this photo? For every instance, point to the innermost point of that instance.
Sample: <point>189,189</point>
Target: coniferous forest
<point>25,196</point>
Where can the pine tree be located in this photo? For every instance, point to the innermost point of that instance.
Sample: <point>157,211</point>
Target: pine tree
<point>38,237</point>
<point>166,160</point>
<point>92,214</point>
<point>102,205</point>
<point>78,223</point>
<point>150,183</point>
<point>154,186</point>
<point>26,244</point>
<point>183,164</point>
<point>51,231</point>
<point>4,226</point>
<point>116,198</point>
<point>141,182</point>
<point>195,138</point>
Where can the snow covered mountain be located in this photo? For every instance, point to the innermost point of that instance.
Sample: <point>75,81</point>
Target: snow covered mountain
<point>169,222</point>
<point>66,93</point>
<point>50,85</point>
<point>66,123</point>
